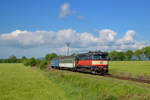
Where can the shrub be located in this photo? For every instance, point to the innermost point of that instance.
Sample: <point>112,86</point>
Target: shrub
<point>30,62</point>
<point>43,64</point>
<point>38,61</point>
<point>25,62</point>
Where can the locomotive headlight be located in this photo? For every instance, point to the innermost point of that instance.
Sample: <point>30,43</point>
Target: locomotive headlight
<point>105,62</point>
<point>99,62</point>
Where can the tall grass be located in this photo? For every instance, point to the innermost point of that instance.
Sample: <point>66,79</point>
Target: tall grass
<point>18,82</point>
<point>84,87</point>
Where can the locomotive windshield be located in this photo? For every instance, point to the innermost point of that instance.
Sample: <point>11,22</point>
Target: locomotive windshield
<point>100,57</point>
<point>92,56</point>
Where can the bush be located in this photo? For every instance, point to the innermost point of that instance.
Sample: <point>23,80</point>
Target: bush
<point>26,62</point>
<point>30,62</point>
<point>38,61</point>
<point>43,64</point>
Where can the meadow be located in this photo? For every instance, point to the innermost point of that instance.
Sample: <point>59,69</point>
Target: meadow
<point>25,83</point>
<point>18,82</point>
<point>134,69</point>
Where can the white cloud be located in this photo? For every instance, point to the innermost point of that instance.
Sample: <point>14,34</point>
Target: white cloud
<point>65,11</point>
<point>129,36</point>
<point>107,35</point>
<point>129,41</point>
<point>67,35</point>
<point>26,38</point>
<point>55,40</point>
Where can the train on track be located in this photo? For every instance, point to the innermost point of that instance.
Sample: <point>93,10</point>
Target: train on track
<point>93,62</point>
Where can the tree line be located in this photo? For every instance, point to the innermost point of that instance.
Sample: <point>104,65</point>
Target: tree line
<point>128,55</point>
<point>41,63</point>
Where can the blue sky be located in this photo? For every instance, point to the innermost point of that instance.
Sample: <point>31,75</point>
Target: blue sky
<point>93,17</point>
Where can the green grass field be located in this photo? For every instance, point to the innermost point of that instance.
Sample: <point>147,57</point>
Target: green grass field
<point>18,82</point>
<point>135,69</point>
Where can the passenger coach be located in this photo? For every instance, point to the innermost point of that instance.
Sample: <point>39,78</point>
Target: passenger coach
<point>94,62</point>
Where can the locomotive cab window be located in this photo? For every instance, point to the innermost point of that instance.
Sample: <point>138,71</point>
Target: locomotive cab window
<point>105,57</point>
<point>99,57</point>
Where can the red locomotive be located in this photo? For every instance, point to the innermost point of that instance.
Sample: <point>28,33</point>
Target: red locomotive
<point>95,62</point>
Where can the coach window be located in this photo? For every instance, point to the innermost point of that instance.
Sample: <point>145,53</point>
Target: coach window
<point>90,57</point>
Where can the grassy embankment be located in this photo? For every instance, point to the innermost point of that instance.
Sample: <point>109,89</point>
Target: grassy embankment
<point>22,83</point>
<point>134,69</point>
<point>84,87</point>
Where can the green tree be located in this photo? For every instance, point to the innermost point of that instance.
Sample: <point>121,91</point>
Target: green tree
<point>113,55</point>
<point>120,56</point>
<point>38,61</point>
<point>12,59</point>
<point>146,52</point>
<point>138,53</point>
<point>128,54</point>
<point>49,57</point>
<point>1,60</point>
<point>43,64</point>
<point>4,60</point>
<point>19,61</point>
<point>23,58</point>
<point>30,62</point>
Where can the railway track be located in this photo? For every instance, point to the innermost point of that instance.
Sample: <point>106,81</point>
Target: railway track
<point>121,78</point>
<point>129,78</point>
<point>113,76</point>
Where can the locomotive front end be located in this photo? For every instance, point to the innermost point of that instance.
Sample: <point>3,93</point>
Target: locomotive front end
<point>100,63</point>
